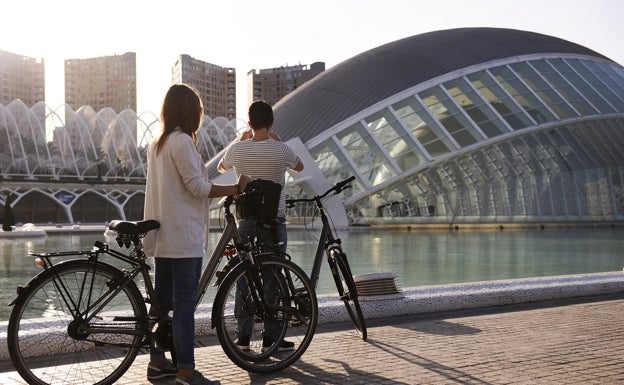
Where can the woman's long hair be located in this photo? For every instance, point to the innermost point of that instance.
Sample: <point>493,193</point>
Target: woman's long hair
<point>181,108</point>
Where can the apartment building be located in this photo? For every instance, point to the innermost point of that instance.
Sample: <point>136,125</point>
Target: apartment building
<point>272,84</point>
<point>21,77</point>
<point>216,84</point>
<point>105,81</point>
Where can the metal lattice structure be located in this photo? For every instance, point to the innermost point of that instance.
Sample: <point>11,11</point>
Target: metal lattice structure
<point>467,125</point>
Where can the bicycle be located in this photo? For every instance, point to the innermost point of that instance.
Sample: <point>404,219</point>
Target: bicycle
<point>84,320</point>
<point>331,246</point>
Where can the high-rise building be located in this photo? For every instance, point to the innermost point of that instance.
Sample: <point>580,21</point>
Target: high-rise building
<point>21,77</point>
<point>105,81</point>
<point>272,84</point>
<point>216,85</point>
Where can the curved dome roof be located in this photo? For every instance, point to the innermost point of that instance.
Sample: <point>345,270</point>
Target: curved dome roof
<point>374,75</point>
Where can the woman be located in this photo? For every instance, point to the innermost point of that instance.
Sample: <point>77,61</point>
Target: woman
<point>176,195</point>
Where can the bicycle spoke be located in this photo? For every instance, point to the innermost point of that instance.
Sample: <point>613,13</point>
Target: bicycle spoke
<point>49,345</point>
<point>254,332</point>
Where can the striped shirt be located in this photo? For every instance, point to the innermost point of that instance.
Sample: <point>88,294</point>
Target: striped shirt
<point>267,159</point>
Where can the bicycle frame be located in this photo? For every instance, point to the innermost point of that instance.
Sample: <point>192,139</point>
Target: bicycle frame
<point>244,250</point>
<point>330,245</point>
<point>139,267</point>
<point>230,232</point>
<point>326,240</point>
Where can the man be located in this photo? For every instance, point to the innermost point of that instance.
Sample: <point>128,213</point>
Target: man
<point>261,155</point>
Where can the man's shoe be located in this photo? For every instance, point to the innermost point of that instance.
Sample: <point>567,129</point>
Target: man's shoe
<point>165,369</point>
<point>242,343</point>
<point>284,345</point>
<point>195,379</point>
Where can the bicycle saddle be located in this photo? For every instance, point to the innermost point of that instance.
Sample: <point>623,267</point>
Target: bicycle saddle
<point>133,227</point>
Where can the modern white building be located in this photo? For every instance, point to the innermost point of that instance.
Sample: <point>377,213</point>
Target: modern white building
<point>469,125</point>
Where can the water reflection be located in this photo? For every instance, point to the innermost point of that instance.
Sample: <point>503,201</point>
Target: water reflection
<point>437,257</point>
<point>419,257</point>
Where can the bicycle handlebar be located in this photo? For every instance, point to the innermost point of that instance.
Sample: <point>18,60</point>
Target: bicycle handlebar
<point>227,201</point>
<point>336,189</point>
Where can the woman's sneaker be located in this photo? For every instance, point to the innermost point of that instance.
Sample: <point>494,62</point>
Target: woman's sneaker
<point>165,369</point>
<point>195,379</point>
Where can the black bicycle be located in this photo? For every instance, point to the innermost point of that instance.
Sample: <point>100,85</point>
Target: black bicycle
<point>84,320</point>
<point>331,246</point>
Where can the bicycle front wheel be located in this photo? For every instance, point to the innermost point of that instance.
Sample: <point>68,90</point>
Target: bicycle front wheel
<point>265,319</point>
<point>69,326</point>
<point>346,289</point>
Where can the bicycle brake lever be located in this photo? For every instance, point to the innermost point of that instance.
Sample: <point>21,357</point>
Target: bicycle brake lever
<point>344,184</point>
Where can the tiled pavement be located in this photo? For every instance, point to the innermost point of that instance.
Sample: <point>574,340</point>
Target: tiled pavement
<point>558,342</point>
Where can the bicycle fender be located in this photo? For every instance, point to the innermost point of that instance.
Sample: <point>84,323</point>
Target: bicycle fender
<point>233,262</point>
<point>238,267</point>
<point>46,271</point>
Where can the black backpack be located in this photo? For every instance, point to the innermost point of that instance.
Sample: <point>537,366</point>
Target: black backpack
<point>260,200</point>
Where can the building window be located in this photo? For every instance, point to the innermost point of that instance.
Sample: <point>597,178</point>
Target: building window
<point>334,164</point>
<point>522,95</point>
<point>422,127</point>
<point>393,137</point>
<point>369,159</point>
<point>582,77</point>
<point>475,107</point>
<point>447,113</point>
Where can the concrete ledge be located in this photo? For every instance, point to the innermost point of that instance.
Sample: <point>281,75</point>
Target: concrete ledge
<point>439,298</point>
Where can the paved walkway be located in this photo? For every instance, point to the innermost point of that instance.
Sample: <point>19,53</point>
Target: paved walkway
<point>555,342</point>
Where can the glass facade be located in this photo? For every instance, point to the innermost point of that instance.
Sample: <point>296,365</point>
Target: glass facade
<point>538,139</point>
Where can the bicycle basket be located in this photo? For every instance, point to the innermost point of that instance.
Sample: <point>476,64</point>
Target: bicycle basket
<point>260,201</point>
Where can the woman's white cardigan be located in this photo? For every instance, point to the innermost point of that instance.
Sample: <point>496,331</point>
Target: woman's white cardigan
<point>176,195</point>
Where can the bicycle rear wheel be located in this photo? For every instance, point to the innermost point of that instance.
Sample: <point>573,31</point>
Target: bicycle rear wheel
<point>290,317</point>
<point>52,341</point>
<point>346,289</point>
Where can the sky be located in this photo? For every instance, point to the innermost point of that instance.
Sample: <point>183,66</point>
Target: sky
<point>246,35</point>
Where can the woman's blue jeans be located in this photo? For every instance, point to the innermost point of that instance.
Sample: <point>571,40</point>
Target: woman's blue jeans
<point>175,284</point>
